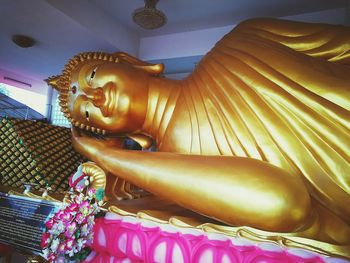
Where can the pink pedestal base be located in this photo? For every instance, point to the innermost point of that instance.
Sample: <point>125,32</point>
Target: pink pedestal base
<point>126,239</point>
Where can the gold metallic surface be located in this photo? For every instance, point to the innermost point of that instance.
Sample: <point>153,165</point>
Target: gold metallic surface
<point>33,259</point>
<point>57,198</point>
<point>96,174</point>
<point>258,135</point>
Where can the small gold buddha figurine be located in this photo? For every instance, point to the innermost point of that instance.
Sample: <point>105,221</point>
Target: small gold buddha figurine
<point>258,135</point>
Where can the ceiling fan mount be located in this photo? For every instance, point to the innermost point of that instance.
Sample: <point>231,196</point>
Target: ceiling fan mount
<point>149,17</point>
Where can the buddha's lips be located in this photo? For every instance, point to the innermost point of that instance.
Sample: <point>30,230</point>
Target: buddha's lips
<point>110,96</point>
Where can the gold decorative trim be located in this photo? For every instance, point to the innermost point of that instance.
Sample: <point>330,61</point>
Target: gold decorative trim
<point>34,196</point>
<point>96,174</point>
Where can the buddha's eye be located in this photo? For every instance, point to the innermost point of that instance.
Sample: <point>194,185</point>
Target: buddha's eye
<point>93,73</point>
<point>87,116</point>
<point>74,89</point>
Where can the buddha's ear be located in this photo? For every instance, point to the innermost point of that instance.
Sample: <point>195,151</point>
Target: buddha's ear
<point>154,69</point>
<point>53,82</point>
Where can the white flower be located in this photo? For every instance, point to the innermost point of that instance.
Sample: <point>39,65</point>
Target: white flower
<point>60,227</point>
<point>91,220</point>
<point>80,243</point>
<point>54,244</point>
<point>84,230</point>
<point>79,198</point>
<point>60,260</point>
<point>90,237</point>
<point>71,253</point>
<point>95,206</point>
<point>45,253</point>
<point>79,188</point>
<point>57,228</point>
<point>86,181</point>
<point>64,206</point>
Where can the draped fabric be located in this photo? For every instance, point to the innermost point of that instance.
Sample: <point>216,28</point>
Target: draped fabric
<point>279,92</point>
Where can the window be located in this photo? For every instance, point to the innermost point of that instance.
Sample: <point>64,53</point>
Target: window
<point>4,90</point>
<point>33,100</point>
<point>57,117</point>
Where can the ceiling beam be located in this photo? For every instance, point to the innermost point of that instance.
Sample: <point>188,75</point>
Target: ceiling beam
<point>185,44</point>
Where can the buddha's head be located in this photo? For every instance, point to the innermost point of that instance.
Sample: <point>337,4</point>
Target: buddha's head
<point>105,93</point>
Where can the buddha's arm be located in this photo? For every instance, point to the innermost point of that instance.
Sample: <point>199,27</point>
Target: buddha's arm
<point>115,186</point>
<point>239,191</point>
<point>89,149</point>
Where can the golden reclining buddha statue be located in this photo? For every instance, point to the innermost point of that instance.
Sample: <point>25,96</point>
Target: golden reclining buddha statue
<point>257,135</point>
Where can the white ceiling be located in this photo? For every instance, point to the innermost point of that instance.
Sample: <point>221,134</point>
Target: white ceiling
<point>63,28</point>
<point>189,15</point>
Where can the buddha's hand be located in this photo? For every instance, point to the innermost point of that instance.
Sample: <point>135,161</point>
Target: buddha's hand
<point>90,146</point>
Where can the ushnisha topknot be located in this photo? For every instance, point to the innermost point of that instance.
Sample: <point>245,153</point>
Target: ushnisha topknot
<point>62,83</point>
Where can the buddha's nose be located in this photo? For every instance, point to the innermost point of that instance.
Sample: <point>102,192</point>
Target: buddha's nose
<point>96,96</point>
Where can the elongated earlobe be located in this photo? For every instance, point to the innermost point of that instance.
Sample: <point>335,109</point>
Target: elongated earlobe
<point>154,69</point>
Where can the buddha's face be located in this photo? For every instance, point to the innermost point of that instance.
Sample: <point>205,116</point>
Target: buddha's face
<point>108,96</point>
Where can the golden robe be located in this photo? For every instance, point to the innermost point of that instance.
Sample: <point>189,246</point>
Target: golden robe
<point>278,92</point>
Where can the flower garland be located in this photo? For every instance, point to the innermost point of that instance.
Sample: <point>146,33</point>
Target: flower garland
<point>69,233</point>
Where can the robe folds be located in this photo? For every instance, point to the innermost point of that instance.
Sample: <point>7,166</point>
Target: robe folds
<point>279,92</point>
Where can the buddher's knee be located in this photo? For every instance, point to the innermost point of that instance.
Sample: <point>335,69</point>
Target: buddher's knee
<point>290,208</point>
<point>265,197</point>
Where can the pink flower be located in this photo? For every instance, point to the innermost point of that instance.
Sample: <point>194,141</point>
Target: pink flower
<point>69,244</point>
<point>52,257</point>
<point>71,228</point>
<point>90,219</point>
<point>78,199</point>
<point>79,188</point>
<point>61,260</point>
<point>49,223</point>
<point>90,239</point>
<point>66,216</point>
<point>73,207</point>
<point>80,218</point>
<point>61,248</point>
<point>85,230</point>
<point>59,215</point>
<point>45,240</point>
<point>91,191</point>
<point>84,208</point>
